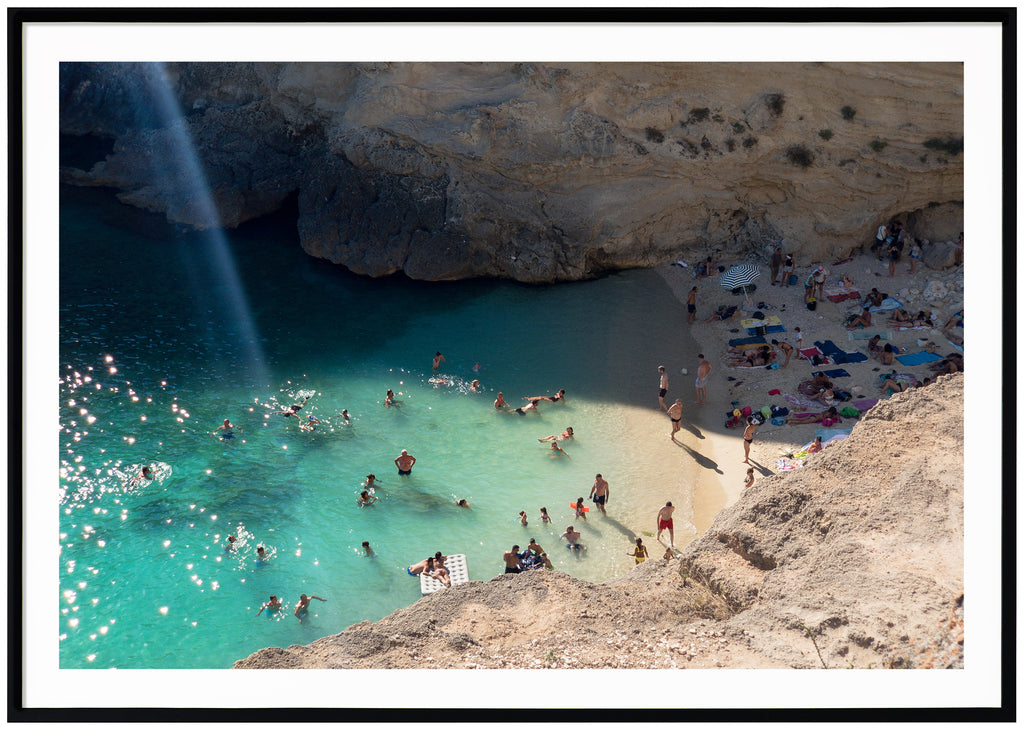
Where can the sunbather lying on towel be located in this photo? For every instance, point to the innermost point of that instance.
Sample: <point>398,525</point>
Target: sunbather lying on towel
<point>802,418</point>
<point>891,385</point>
<point>751,358</point>
<point>953,363</point>
<point>904,318</point>
<point>722,313</point>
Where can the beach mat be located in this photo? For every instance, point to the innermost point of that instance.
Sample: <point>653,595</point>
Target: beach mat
<point>458,572</point>
<point>864,405</point>
<point>886,305</point>
<point>747,341</point>
<point>863,335</point>
<point>775,328</point>
<point>918,358</point>
<point>837,373</point>
<point>843,358</point>
<point>808,352</point>
<point>828,347</point>
<point>748,323</point>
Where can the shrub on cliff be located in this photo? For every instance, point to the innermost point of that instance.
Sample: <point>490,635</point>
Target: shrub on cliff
<point>800,156</point>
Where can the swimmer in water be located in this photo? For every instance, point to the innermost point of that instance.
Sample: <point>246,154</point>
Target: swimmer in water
<point>366,498</point>
<point>579,509</point>
<point>273,605</point>
<point>404,462</point>
<point>370,483</point>
<point>544,515</point>
<point>499,402</point>
<point>261,555</point>
<point>475,386</point>
<point>560,395</point>
<point>344,414</point>
<point>231,544</point>
<point>438,359</point>
<point>555,448</point>
<point>146,473</point>
<point>566,434</point>
<point>531,406</point>
<point>310,423</point>
<point>302,608</point>
<point>367,550</point>
<point>522,518</point>
<point>228,428</point>
<point>293,410</point>
<point>389,399</point>
<point>462,503</point>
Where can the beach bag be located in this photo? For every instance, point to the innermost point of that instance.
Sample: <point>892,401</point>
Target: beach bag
<point>758,315</point>
<point>793,279</point>
<point>812,304</point>
<point>766,412</point>
<point>746,411</point>
<point>849,412</point>
<point>778,421</point>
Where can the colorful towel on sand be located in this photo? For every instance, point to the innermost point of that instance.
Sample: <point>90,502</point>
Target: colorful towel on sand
<point>886,305</point>
<point>747,341</point>
<point>840,293</point>
<point>760,322</point>
<point>866,404</point>
<point>768,330</point>
<point>808,352</point>
<point>837,373</point>
<point>901,327</point>
<point>918,358</point>
<point>864,335</point>
<point>800,401</point>
<point>828,347</point>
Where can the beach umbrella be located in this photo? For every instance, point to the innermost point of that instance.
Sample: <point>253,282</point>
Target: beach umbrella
<point>741,275</point>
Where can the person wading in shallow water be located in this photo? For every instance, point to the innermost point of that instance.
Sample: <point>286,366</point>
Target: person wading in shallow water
<point>404,462</point>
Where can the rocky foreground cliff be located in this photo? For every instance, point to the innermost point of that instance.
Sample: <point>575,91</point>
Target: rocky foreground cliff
<point>534,172</point>
<point>855,560</point>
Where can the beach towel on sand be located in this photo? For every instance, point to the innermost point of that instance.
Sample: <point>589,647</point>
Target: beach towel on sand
<point>837,373</point>
<point>830,433</point>
<point>886,305</point>
<point>828,347</point>
<point>808,352</point>
<point>866,404</point>
<point>841,293</point>
<point>760,322</point>
<point>747,341</point>
<point>865,335</point>
<point>842,358</point>
<point>918,358</point>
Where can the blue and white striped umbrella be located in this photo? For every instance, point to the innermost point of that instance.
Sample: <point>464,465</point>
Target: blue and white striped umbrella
<point>739,275</point>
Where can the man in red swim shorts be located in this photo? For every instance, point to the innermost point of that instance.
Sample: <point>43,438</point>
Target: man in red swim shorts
<point>665,523</point>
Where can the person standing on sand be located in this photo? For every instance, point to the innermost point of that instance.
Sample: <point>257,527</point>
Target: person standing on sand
<point>703,370</point>
<point>787,269</point>
<point>776,263</point>
<point>662,386</point>
<point>639,552</point>
<point>786,348</point>
<point>675,414</point>
<point>665,523</point>
<point>691,306</point>
<point>748,437</point>
<point>404,462</point>
<point>600,492</point>
<point>511,558</point>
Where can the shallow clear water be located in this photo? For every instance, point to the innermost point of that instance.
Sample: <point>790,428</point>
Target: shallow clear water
<point>164,334</point>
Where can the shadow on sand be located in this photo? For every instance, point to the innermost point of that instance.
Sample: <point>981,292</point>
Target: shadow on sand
<point>699,458</point>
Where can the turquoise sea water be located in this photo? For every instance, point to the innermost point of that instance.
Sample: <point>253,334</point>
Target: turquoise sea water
<point>163,334</point>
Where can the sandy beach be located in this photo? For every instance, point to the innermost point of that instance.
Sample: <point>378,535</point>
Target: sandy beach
<point>718,451</point>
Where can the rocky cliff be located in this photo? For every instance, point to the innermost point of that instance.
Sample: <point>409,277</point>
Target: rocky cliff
<point>855,560</point>
<point>534,172</point>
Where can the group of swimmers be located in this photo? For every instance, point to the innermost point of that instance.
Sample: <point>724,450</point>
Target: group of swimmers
<point>274,606</point>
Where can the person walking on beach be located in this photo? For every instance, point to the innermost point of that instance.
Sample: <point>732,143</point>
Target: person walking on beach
<point>404,462</point>
<point>600,492</point>
<point>675,414</point>
<point>787,269</point>
<point>748,437</point>
<point>776,263</point>
<point>662,386</point>
<point>438,359</point>
<point>511,558</point>
<point>691,306</point>
<point>639,552</point>
<point>915,254</point>
<point>703,370</point>
<point>665,523</point>
<point>302,607</point>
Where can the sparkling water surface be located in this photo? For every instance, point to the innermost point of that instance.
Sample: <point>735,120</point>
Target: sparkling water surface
<point>165,333</point>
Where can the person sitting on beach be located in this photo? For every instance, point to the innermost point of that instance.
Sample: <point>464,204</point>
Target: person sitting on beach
<point>874,346</point>
<point>273,605</point>
<point>572,538</point>
<point>859,320</point>
<point>723,312</point>
<point>499,402</point>
<point>815,447</point>
<point>560,395</point>
<point>820,381</point>
<point>800,419</point>
<point>366,498</point>
<point>228,428</point>
<point>873,299</point>
<point>786,348</point>
<point>302,607</point>
<point>566,434</point>
<point>886,356</point>
<point>749,480</point>
<point>825,396</point>
<point>846,282</point>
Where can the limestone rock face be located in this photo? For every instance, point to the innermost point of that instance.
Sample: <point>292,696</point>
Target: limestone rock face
<point>534,172</point>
